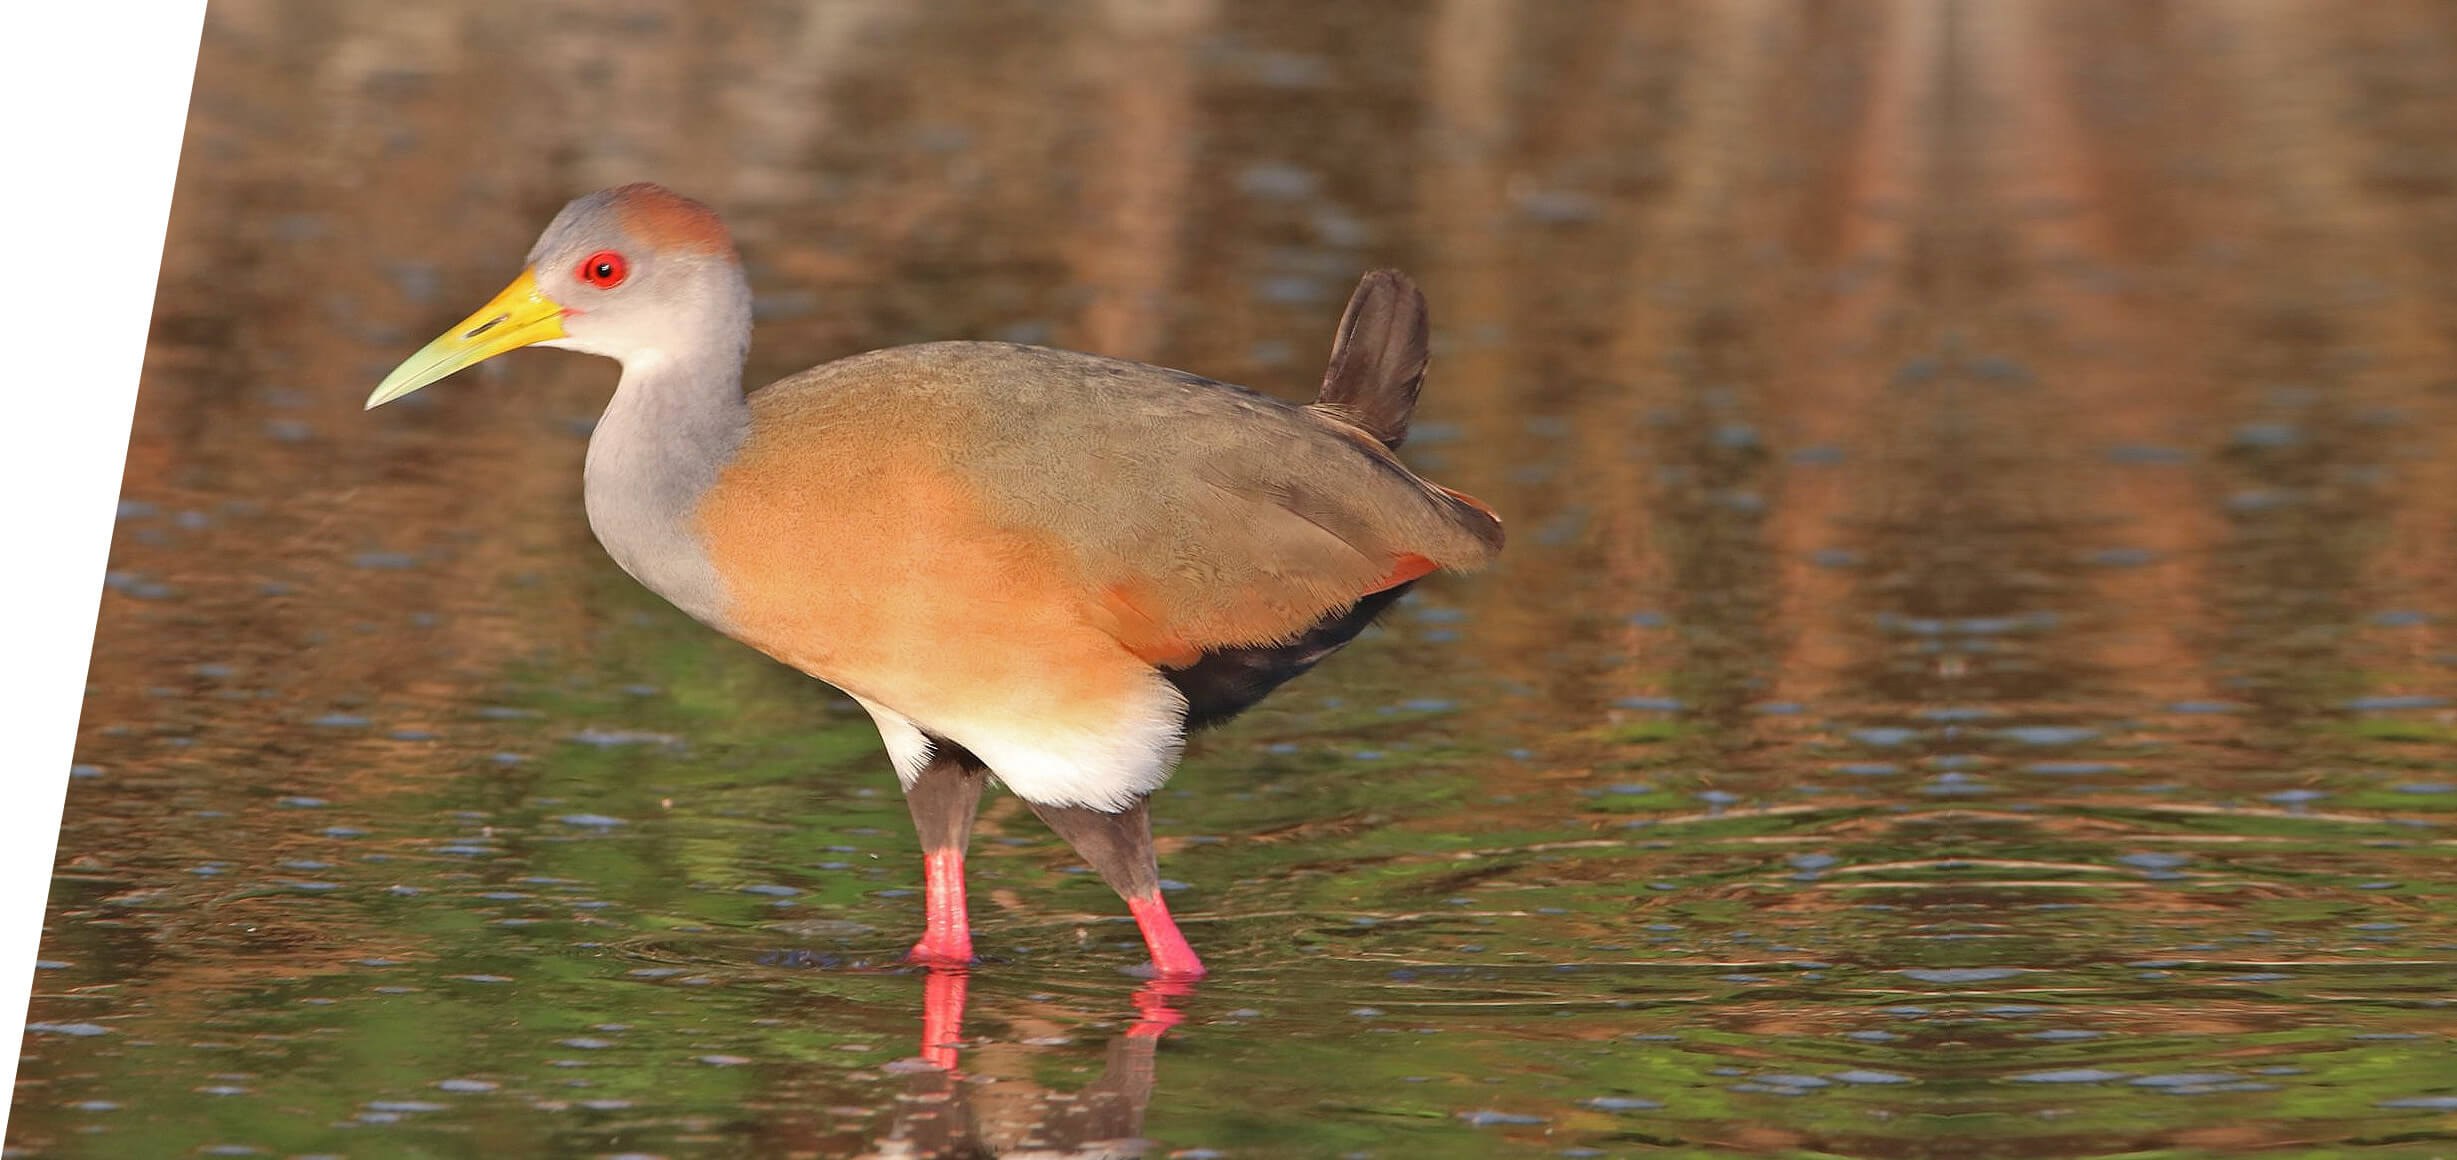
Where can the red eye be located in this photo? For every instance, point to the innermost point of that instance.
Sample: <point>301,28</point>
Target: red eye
<point>604,269</point>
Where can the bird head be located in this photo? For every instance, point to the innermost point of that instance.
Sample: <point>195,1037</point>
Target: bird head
<point>636,273</point>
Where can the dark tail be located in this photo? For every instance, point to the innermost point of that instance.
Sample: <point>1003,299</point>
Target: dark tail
<point>1378,358</point>
<point>1228,681</point>
<point>1377,366</point>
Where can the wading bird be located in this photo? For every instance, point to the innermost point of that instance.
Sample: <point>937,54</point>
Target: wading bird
<point>1026,563</point>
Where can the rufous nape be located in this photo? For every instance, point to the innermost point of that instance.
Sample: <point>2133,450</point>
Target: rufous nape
<point>1029,564</point>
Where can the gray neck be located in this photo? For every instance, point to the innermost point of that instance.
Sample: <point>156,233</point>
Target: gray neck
<point>675,421</point>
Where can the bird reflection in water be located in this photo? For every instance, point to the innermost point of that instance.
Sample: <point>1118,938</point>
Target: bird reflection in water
<point>936,1115</point>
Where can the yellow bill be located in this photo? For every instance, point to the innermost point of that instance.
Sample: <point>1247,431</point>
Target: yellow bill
<point>518,317</point>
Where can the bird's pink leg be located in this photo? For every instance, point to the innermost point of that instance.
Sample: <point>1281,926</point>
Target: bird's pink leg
<point>948,936</point>
<point>1118,843</point>
<point>943,799</point>
<point>1171,957</point>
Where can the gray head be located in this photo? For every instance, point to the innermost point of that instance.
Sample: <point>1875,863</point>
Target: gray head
<point>639,274</point>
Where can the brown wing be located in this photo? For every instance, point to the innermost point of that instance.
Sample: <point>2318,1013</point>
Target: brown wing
<point>1201,514</point>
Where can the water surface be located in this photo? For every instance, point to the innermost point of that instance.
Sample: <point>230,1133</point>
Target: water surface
<point>1971,675</point>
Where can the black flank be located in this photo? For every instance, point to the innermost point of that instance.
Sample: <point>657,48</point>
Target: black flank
<point>1228,681</point>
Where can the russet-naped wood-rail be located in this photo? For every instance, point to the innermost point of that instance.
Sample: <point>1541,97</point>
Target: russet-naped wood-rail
<point>1025,563</point>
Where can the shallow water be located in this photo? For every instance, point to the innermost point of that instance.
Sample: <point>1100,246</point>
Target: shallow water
<point>1971,676</point>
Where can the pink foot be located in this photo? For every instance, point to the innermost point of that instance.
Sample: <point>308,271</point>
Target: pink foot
<point>948,939</point>
<point>930,952</point>
<point>1171,957</point>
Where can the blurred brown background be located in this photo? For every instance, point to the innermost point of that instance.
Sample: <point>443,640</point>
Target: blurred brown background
<point>1980,483</point>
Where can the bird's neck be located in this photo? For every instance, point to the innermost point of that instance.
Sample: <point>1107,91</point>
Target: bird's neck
<point>672,414</point>
<point>676,419</point>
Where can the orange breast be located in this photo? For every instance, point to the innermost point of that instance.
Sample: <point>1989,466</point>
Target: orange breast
<point>880,575</point>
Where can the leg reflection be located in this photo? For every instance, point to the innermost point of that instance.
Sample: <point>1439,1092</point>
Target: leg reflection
<point>1153,1000</point>
<point>937,1115</point>
<point>942,1015</point>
